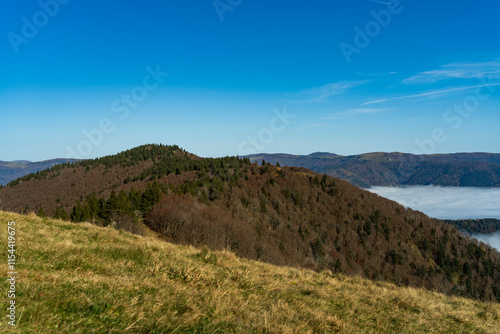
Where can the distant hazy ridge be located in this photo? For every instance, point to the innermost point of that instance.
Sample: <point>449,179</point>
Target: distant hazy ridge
<point>399,169</point>
<point>11,170</point>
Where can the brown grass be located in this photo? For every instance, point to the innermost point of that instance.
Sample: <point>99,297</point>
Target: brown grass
<point>79,278</point>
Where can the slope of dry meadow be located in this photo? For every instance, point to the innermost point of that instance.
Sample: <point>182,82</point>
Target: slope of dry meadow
<point>80,278</point>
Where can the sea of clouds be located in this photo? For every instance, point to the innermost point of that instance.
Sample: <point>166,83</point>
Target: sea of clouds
<point>446,202</point>
<point>449,203</point>
<point>492,239</point>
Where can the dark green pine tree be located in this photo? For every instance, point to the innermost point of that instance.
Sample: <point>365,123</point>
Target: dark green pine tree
<point>103,212</point>
<point>92,205</point>
<point>41,213</point>
<point>151,196</point>
<point>78,213</point>
<point>60,213</point>
<point>113,206</point>
<point>112,201</point>
<point>123,203</point>
<point>135,199</point>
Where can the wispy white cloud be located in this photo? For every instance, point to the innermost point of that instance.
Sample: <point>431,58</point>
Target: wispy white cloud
<point>324,93</point>
<point>460,70</point>
<point>385,3</point>
<point>434,93</point>
<point>376,74</point>
<point>355,111</point>
<point>313,125</point>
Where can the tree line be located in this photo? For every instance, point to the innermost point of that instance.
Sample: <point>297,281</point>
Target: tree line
<point>476,226</point>
<point>103,211</point>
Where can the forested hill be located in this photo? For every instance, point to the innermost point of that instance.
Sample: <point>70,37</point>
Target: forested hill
<point>287,216</point>
<point>61,186</point>
<point>399,169</point>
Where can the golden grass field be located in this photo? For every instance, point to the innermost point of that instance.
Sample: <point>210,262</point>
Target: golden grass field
<point>80,278</point>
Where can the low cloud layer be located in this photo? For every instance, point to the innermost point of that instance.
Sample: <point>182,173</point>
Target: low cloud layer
<point>450,203</point>
<point>446,202</point>
<point>491,239</point>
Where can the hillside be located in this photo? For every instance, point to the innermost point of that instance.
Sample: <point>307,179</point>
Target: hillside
<point>11,170</point>
<point>80,278</point>
<point>286,216</point>
<point>399,169</point>
<point>64,184</point>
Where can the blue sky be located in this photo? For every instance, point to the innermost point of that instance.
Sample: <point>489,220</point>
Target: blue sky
<point>89,78</point>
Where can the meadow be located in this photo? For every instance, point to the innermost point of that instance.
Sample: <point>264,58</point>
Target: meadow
<point>80,278</point>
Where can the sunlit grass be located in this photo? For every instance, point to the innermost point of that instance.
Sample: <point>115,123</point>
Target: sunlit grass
<point>79,278</point>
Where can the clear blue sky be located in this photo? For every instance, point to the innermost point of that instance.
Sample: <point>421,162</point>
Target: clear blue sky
<point>418,76</point>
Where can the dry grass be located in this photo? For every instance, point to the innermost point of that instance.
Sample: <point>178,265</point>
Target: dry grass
<point>79,278</point>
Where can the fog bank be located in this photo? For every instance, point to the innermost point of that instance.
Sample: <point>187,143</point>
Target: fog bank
<point>450,203</point>
<point>446,202</point>
<point>492,239</point>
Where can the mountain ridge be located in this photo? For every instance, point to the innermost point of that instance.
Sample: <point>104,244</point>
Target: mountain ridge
<point>399,169</point>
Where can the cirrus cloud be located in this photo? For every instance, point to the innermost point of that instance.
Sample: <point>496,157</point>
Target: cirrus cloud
<point>324,93</point>
<point>460,70</point>
<point>356,111</point>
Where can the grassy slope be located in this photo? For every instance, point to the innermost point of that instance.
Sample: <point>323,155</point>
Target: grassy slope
<point>79,278</point>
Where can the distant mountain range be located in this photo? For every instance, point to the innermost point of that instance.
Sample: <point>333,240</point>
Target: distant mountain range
<point>399,169</point>
<point>11,170</point>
